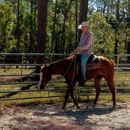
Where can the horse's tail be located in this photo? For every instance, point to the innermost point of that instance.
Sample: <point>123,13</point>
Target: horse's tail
<point>113,65</point>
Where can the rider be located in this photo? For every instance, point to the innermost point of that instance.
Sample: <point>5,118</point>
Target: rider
<point>84,48</point>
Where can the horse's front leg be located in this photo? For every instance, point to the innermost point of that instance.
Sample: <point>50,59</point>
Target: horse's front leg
<point>70,91</point>
<point>74,100</point>
<point>71,86</point>
<point>66,97</point>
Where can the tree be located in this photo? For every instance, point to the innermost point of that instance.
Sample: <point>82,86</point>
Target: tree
<point>116,14</point>
<point>18,27</point>
<point>6,28</point>
<point>61,26</point>
<point>53,28</point>
<point>62,40</point>
<point>41,32</point>
<point>62,20</point>
<point>83,12</point>
<point>103,32</point>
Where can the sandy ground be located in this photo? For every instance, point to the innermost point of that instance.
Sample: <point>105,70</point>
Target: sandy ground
<point>51,117</point>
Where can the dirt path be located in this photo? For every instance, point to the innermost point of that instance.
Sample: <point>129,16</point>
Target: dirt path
<point>51,117</point>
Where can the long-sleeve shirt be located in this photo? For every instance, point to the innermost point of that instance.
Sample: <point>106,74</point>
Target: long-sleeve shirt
<point>86,43</point>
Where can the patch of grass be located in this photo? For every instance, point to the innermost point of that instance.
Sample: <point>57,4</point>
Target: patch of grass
<point>38,101</point>
<point>15,70</point>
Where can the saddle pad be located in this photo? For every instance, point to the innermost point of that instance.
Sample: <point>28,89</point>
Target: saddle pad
<point>93,66</point>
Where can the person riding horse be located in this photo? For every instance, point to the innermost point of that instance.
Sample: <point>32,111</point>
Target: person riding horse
<point>84,48</point>
<point>65,67</point>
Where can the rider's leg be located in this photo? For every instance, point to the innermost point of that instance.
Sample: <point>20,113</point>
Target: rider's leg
<point>84,59</point>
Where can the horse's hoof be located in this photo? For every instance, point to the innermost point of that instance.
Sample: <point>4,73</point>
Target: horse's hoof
<point>78,107</point>
<point>63,107</point>
<point>94,105</point>
<point>114,106</point>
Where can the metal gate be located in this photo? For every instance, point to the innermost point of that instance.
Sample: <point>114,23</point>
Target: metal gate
<point>20,84</point>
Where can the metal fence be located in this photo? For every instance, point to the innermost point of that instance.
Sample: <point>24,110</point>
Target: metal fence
<point>20,84</point>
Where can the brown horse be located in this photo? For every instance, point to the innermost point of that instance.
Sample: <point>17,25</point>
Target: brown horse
<point>66,67</point>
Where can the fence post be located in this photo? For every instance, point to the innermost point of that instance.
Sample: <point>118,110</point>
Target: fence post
<point>117,65</point>
<point>21,74</point>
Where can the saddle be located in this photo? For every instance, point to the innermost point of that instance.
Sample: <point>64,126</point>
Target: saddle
<point>92,63</point>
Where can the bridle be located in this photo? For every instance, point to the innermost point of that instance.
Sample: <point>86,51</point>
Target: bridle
<point>74,59</point>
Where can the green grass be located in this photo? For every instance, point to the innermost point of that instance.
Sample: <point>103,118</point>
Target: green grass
<point>15,70</point>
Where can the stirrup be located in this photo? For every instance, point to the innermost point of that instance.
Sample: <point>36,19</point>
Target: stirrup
<point>81,83</point>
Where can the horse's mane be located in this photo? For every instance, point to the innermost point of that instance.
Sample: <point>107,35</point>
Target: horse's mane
<point>62,61</point>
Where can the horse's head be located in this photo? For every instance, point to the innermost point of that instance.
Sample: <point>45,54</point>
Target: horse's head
<point>45,76</point>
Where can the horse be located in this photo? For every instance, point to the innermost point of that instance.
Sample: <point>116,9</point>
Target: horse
<point>65,67</point>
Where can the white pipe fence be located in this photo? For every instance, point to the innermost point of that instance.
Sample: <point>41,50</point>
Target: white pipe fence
<point>8,89</point>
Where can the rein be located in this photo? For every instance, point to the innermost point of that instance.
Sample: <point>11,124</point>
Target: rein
<point>74,59</point>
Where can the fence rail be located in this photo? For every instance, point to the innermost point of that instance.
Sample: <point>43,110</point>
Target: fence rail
<point>8,89</point>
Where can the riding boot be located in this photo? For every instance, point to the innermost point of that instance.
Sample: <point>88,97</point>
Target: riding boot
<point>81,83</point>
<point>80,79</point>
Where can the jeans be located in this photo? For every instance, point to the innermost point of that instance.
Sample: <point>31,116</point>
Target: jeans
<point>84,59</point>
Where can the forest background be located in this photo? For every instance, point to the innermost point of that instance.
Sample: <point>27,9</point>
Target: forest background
<point>50,26</point>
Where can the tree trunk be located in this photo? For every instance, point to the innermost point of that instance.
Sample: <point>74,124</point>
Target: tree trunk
<point>18,32</point>
<point>76,23</point>
<point>18,29</point>
<point>117,27</point>
<point>31,29</point>
<point>62,40</point>
<point>83,10</point>
<point>128,42</point>
<point>83,13</point>
<point>53,30</point>
<point>41,33</point>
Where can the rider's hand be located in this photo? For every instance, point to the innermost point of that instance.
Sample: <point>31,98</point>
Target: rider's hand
<point>75,51</point>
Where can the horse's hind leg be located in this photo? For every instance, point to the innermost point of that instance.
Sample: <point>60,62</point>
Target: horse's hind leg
<point>112,89</point>
<point>110,81</point>
<point>97,81</point>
